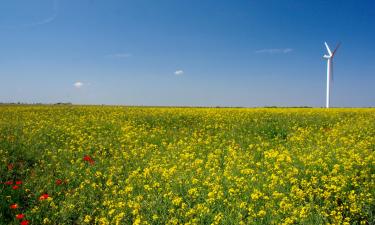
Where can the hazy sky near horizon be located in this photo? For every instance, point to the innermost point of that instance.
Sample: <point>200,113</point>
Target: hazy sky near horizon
<point>197,52</point>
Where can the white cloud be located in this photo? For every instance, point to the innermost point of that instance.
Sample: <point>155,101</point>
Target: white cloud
<point>274,50</point>
<point>78,84</point>
<point>119,55</point>
<point>179,72</point>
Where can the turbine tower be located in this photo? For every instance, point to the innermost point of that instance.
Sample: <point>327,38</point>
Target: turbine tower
<point>329,58</point>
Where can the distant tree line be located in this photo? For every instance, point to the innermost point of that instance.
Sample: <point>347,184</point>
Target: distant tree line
<point>36,103</point>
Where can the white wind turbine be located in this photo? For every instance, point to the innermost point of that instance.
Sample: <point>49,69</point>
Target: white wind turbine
<point>329,58</point>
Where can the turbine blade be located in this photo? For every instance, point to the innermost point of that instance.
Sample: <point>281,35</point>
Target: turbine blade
<point>329,50</point>
<point>337,47</point>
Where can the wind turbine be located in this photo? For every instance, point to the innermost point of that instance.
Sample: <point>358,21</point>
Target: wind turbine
<point>329,58</point>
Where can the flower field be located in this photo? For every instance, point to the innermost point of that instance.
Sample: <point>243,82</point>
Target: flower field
<point>143,165</point>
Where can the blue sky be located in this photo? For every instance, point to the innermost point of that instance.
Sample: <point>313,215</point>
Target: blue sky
<point>196,52</point>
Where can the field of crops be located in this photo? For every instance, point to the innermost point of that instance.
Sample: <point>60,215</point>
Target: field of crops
<point>134,165</point>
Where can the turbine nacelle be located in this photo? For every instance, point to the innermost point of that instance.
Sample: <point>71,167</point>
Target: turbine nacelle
<point>330,53</point>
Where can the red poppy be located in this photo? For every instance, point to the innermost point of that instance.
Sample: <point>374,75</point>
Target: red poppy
<point>43,197</point>
<point>18,182</point>
<point>13,206</point>
<point>15,187</point>
<point>10,166</point>
<point>59,182</point>
<point>88,159</point>
<point>20,216</point>
<point>24,222</point>
<point>9,182</point>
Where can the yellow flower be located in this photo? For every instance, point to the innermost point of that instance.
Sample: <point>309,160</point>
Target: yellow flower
<point>176,201</point>
<point>46,221</point>
<point>103,221</point>
<point>137,221</point>
<point>261,213</point>
<point>87,219</point>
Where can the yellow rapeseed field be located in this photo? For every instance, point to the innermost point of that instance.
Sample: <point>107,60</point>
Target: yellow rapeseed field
<point>144,165</point>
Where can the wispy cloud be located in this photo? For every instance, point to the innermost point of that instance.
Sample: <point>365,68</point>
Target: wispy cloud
<point>274,51</point>
<point>78,84</point>
<point>48,19</point>
<point>178,72</point>
<point>119,55</point>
